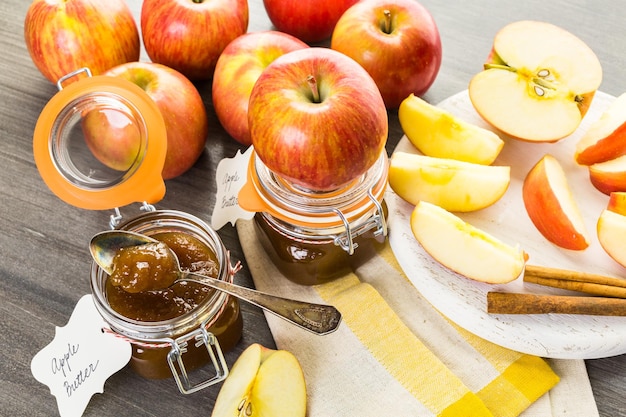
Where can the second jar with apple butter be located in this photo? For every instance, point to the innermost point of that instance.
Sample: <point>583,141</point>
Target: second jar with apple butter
<point>315,237</point>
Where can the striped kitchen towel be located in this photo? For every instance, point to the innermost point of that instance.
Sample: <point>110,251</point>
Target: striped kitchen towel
<point>395,355</point>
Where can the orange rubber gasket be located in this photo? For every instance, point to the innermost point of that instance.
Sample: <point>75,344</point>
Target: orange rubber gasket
<point>144,185</point>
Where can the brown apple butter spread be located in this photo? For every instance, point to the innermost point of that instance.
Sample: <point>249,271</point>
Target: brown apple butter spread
<point>132,296</point>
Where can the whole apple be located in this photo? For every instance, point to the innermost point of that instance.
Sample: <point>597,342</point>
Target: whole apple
<point>317,118</point>
<point>237,69</point>
<point>308,20</point>
<point>396,41</point>
<point>66,35</point>
<point>189,36</point>
<point>182,108</point>
<point>113,137</point>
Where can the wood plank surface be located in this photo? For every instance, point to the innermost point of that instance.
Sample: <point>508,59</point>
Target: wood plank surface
<point>44,260</point>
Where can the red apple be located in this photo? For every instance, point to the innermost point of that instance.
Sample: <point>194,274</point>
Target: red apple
<point>189,36</point>
<point>396,41</point>
<point>113,137</point>
<point>310,21</point>
<point>317,118</point>
<point>238,68</point>
<point>63,36</point>
<point>551,206</point>
<point>181,106</point>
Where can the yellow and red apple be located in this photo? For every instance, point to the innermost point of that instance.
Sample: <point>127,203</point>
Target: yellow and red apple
<point>436,132</point>
<point>182,108</point>
<point>454,185</point>
<point>538,82</point>
<point>189,36</point>
<point>113,136</point>
<point>63,36</point>
<point>317,118</point>
<point>309,21</point>
<point>237,69</point>
<point>611,227</point>
<point>263,382</point>
<point>464,248</point>
<point>609,176</point>
<point>551,206</point>
<point>606,137</point>
<point>396,41</point>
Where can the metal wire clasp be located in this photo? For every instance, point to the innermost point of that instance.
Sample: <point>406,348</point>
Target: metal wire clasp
<point>377,221</point>
<point>175,360</point>
<point>116,218</point>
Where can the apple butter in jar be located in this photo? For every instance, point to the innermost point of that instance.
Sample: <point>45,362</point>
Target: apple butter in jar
<point>184,326</point>
<point>315,237</point>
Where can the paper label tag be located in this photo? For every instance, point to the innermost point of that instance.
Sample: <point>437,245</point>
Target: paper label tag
<point>80,358</point>
<point>231,176</point>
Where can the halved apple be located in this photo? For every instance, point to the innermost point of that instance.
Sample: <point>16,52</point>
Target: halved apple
<point>611,228</point>
<point>463,248</point>
<point>609,176</point>
<point>436,132</point>
<point>263,382</point>
<point>454,185</point>
<point>551,205</point>
<point>606,137</point>
<point>538,82</point>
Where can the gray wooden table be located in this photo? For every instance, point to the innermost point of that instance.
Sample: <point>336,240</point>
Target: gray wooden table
<point>44,261</point>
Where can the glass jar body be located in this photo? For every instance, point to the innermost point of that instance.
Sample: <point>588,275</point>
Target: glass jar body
<point>313,259</point>
<point>218,314</point>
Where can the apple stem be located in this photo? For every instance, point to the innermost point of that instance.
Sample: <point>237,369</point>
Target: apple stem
<point>314,88</point>
<point>387,22</point>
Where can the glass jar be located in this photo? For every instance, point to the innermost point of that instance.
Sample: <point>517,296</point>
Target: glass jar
<point>175,346</point>
<point>315,237</point>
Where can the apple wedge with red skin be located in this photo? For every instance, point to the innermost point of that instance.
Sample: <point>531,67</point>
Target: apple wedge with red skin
<point>317,119</point>
<point>611,227</point>
<point>237,69</point>
<point>63,36</point>
<point>551,205</point>
<point>609,176</point>
<point>396,41</point>
<point>606,137</point>
<point>538,82</point>
<point>189,36</point>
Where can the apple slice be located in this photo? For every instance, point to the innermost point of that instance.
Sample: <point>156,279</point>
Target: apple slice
<point>263,382</point>
<point>463,248</point>
<point>551,206</point>
<point>538,82</point>
<point>609,176</point>
<point>454,185</point>
<point>611,227</point>
<point>436,132</point>
<point>606,137</point>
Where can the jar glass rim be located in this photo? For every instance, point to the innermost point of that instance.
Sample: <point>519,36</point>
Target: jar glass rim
<point>312,209</point>
<point>150,223</point>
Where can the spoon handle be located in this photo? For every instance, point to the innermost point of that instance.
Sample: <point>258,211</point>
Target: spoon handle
<point>317,318</point>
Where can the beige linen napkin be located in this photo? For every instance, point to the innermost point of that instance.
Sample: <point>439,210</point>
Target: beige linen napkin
<point>395,355</point>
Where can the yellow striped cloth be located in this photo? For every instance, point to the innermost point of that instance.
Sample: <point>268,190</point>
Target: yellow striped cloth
<point>395,355</point>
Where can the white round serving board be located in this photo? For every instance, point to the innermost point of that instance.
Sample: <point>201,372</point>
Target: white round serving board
<point>464,301</point>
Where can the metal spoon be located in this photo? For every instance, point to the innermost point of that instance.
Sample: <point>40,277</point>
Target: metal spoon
<point>317,318</point>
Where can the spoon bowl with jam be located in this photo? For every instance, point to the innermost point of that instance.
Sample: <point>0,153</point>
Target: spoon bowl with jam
<point>138,263</point>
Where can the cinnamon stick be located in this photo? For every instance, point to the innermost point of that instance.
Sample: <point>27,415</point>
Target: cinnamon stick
<point>576,281</point>
<point>519,303</point>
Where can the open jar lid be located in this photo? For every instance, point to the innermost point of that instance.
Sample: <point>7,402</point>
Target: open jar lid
<point>267,192</point>
<point>100,143</point>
